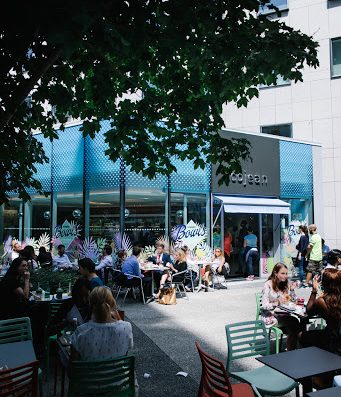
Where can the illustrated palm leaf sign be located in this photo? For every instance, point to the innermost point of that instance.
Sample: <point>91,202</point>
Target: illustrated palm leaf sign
<point>66,233</point>
<point>191,234</point>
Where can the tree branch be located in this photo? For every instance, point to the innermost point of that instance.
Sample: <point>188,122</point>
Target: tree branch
<point>23,91</point>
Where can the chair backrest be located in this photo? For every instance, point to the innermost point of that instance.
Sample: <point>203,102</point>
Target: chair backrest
<point>258,304</point>
<point>246,339</point>
<point>114,377</point>
<point>214,380</point>
<point>53,310</point>
<point>15,330</point>
<point>20,381</point>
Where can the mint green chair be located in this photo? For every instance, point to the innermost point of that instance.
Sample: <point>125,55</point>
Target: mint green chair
<point>249,339</point>
<point>50,339</point>
<point>272,328</point>
<point>110,378</point>
<point>15,330</point>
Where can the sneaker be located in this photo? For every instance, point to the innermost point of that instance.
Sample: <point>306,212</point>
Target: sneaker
<point>150,299</point>
<point>250,278</point>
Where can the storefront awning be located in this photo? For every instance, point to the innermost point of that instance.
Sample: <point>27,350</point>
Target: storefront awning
<point>254,205</point>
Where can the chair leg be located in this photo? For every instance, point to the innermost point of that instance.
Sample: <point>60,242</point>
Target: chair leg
<point>128,289</point>
<point>118,292</point>
<point>144,301</point>
<point>185,292</point>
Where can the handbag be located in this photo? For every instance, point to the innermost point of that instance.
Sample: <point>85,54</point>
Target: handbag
<point>167,296</point>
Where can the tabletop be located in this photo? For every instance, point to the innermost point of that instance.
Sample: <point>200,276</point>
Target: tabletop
<point>331,392</point>
<point>16,353</point>
<point>303,363</point>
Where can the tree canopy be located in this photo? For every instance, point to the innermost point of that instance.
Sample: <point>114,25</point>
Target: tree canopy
<point>136,63</point>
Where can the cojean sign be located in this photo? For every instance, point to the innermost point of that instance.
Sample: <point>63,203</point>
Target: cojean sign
<point>260,174</point>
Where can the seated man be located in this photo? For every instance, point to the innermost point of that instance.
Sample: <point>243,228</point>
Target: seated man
<point>131,267</point>
<point>160,258</point>
<point>106,264</point>
<point>61,260</point>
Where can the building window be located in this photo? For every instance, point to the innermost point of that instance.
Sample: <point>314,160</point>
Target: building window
<point>336,57</point>
<point>278,129</point>
<point>280,81</point>
<point>280,4</point>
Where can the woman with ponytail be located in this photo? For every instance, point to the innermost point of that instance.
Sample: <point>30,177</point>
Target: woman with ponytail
<point>106,335</point>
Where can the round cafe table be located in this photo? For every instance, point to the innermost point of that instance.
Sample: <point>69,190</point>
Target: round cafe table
<point>153,268</point>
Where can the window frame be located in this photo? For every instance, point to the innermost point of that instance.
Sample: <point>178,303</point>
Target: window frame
<point>331,58</point>
<point>272,11</point>
<point>276,125</point>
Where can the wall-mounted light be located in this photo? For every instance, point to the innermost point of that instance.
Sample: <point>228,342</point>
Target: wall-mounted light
<point>76,213</point>
<point>20,214</point>
<point>179,214</point>
<point>126,213</point>
<point>47,215</point>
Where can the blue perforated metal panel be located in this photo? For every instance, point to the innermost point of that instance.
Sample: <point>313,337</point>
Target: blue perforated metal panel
<point>296,170</point>
<point>68,161</point>
<point>101,172</point>
<point>43,173</point>
<point>188,179</point>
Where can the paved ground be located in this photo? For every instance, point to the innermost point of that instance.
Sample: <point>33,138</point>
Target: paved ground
<point>164,337</point>
<point>171,331</point>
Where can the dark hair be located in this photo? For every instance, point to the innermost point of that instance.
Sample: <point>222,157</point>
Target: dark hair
<point>331,283</point>
<point>42,249</point>
<point>79,284</point>
<point>12,272</point>
<point>88,264</point>
<point>185,248</point>
<point>121,253</point>
<point>137,251</point>
<point>107,249</point>
<point>333,256</point>
<point>61,246</point>
<point>250,229</point>
<point>28,252</point>
<point>278,285</point>
<point>304,229</point>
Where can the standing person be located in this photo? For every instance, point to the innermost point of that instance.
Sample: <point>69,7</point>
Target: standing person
<point>228,245</point>
<point>240,245</point>
<point>61,260</point>
<point>302,247</point>
<point>333,259</point>
<point>250,253</point>
<point>325,250</point>
<point>315,264</point>
<point>87,269</point>
<point>131,267</point>
<point>275,293</point>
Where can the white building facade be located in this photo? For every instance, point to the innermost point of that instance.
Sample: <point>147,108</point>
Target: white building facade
<point>310,110</point>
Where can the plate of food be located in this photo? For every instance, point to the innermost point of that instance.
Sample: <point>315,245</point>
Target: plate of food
<point>288,306</point>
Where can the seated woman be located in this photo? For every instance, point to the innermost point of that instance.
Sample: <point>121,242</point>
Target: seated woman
<point>76,307</point>
<point>44,257</point>
<point>191,265</point>
<point>14,290</point>
<point>106,335</point>
<point>328,305</point>
<point>31,258</point>
<point>275,293</point>
<point>179,265</point>
<point>87,269</point>
<point>218,264</point>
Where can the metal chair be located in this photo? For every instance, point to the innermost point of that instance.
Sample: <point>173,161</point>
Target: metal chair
<point>215,382</point>
<point>217,276</point>
<point>180,283</point>
<point>249,339</point>
<point>272,328</point>
<point>15,330</point>
<point>20,381</point>
<point>114,377</point>
<point>121,285</point>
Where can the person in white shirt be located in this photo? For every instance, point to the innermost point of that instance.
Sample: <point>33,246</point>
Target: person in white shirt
<point>106,264</point>
<point>15,250</point>
<point>61,260</point>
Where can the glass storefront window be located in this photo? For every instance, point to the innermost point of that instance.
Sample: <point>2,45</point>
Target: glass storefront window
<point>186,207</point>
<point>37,216</point>
<point>104,214</point>
<point>145,215</point>
<point>12,219</point>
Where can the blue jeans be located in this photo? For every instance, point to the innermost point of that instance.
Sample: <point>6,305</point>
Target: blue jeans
<point>301,266</point>
<point>252,258</point>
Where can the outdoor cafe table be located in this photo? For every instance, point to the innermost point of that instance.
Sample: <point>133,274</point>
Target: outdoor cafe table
<point>153,268</point>
<point>302,364</point>
<point>330,392</point>
<point>14,354</point>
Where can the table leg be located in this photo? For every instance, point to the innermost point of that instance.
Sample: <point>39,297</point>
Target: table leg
<point>55,373</point>
<point>63,381</point>
<point>307,384</point>
<point>153,283</point>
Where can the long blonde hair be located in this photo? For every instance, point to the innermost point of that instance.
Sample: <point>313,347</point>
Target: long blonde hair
<point>182,255</point>
<point>102,303</point>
